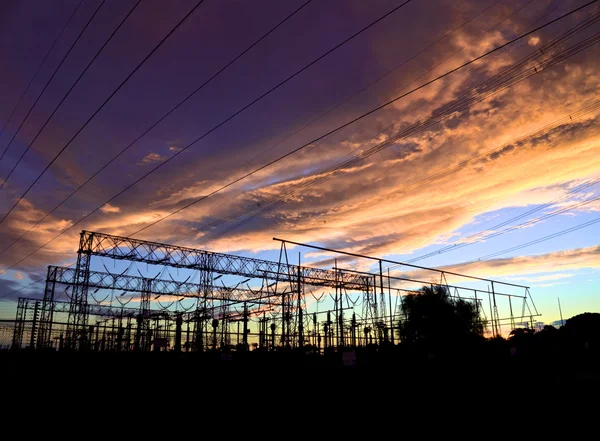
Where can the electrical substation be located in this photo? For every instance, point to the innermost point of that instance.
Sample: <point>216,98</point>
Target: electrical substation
<point>173,298</point>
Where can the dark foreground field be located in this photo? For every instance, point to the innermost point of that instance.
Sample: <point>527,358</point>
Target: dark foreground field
<point>388,371</point>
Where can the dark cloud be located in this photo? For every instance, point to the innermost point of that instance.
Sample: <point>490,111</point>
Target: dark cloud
<point>11,290</point>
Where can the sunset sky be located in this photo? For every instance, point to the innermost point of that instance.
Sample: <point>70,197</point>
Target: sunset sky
<point>449,164</point>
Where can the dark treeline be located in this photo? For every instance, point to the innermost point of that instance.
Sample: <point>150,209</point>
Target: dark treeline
<point>435,325</point>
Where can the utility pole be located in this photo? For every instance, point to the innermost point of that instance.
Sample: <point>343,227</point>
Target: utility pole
<point>382,295</point>
<point>178,323</point>
<point>282,320</point>
<point>300,316</point>
<point>496,315</point>
<point>491,314</point>
<point>560,310</point>
<point>315,329</point>
<point>390,301</point>
<point>353,332</point>
<point>245,337</point>
<point>33,325</point>
<point>337,329</point>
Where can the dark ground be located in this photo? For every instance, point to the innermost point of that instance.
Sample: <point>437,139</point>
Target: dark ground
<point>387,369</point>
<point>292,394</point>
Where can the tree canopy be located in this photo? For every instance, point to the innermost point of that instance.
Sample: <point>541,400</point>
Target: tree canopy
<point>584,327</point>
<point>433,318</point>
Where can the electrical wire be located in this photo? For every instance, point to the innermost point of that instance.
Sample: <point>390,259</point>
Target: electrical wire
<point>305,145</point>
<point>66,96</point>
<point>312,147</point>
<point>516,39</point>
<point>181,21</point>
<point>218,125</point>
<point>189,96</point>
<point>50,80</point>
<point>484,236</point>
<point>22,288</point>
<point>468,100</point>
<point>348,123</point>
<point>36,73</point>
<point>382,132</point>
<point>372,83</point>
<point>529,222</point>
<point>533,242</point>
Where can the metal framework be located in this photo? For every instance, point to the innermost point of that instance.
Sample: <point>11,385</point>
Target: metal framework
<point>127,283</point>
<point>208,263</point>
<point>361,309</point>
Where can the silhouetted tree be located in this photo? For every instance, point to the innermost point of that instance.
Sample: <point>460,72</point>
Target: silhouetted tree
<point>522,341</point>
<point>548,336</point>
<point>549,330</point>
<point>433,319</point>
<point>584,329</point>
<point>519,335</point>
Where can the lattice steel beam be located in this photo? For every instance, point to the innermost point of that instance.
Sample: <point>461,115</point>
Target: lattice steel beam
<point>125,248</point>
<point>123,282</point>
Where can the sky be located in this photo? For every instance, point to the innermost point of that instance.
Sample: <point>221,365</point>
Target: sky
<point>462,174</point>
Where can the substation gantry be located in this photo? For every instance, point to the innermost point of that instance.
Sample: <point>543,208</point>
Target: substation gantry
<point>275,315</point>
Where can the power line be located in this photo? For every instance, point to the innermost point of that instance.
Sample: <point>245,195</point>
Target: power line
<point>36,72</point>
<point>389,72</point>
<point>528,223</point>
<point>22,288</point>
<point>530,136</point>
<point>533,242</point>
<point>492,87</point>
<point>353,120</point>
<point>368,86</point>
<point>457,79</point>
<point>328,176</point>
<point>101,107</point>
<point>221,123</point>
<point>545,238</point>
<point>300,129</point>
<point>49,80</point>
<point>505,251</point>
<point>344,125</point>
<point>305,145</point>
<point>475,238</point>
<point>159,121</point>
<point>67,94</point>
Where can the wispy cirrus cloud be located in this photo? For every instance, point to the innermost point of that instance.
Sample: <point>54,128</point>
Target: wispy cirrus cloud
<point>544,278</point>
<point>554,264</point>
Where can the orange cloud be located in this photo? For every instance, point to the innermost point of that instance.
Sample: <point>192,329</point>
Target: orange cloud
<point>107,208</point>
<point>370,206</point>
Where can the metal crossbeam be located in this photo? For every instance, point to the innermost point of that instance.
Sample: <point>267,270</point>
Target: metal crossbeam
<point>60,306</point>
<point>123,282</point>
<point>125,248</point>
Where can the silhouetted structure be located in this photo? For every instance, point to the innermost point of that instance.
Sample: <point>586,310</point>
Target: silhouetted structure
<point>230,316</point>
